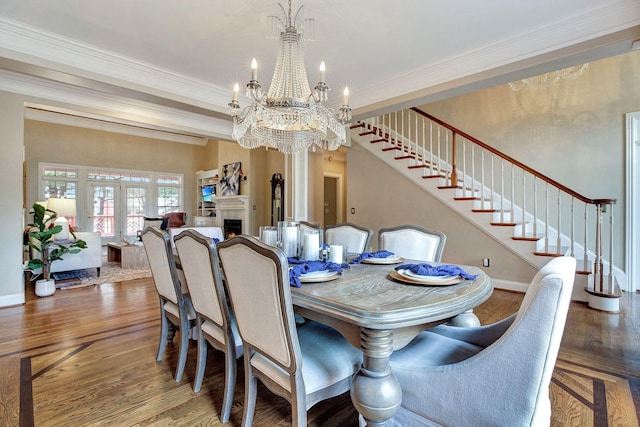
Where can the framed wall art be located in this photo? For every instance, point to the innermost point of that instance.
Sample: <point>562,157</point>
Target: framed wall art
<point>230,179</point>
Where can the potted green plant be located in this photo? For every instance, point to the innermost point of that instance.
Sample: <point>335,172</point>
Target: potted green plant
<point>50,250</point>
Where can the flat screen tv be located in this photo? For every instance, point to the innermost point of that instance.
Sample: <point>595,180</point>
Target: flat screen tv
<point>208,193</point>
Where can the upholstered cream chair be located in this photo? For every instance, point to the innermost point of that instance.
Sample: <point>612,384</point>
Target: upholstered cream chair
<point>175,307</point>
<point>494,375</point>
<point>412,242</point>
<point>356,238</point>
<point>304,365</point>
<point>215,324</point>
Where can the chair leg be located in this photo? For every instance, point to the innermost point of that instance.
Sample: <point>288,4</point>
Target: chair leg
<point>184,348</point>
<point>229,384</point>
<point>250,391</point>
<point>298,410</point>
<point>201,363</point>
<point>164,332</point>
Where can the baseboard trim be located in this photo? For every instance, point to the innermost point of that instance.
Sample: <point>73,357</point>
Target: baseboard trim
<point>509,285</point>
<point>13,299</point>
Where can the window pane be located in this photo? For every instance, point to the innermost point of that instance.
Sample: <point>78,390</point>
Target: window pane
<point>60,172</point>
<point>103,210</point>
<point>169,180</point>
<point>135,210</point>
<point>97,175</point>
<point>59,189</point>
<point>168,200</point>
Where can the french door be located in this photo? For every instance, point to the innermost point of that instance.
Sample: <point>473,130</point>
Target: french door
<point>116,210</point>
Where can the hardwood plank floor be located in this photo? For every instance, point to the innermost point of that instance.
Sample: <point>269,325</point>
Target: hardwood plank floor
<point>87,357</point>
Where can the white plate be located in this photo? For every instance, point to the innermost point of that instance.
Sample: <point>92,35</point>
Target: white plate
<point>316,277</point>
<point>424,280</point>
<point>317,274</point>
<point>393,259</point>
<point>410,274</point>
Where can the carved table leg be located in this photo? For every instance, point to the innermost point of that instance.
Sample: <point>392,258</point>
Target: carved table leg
<point>375,392</point>
<point>466,319</point>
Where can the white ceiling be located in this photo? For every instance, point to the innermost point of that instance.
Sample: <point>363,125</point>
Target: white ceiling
<point>172,64</point>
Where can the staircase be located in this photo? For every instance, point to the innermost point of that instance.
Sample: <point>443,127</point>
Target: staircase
<point>532,215</point>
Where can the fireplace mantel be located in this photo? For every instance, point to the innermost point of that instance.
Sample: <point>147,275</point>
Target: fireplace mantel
<point>232,207</point>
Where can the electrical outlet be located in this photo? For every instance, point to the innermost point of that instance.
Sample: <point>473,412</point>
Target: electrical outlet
<point>353,211</point>
<point>485,262</point>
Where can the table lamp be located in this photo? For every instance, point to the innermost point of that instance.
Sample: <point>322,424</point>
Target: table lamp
<point>63,208</point>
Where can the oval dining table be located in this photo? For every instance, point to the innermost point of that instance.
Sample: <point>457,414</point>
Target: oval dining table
<point>379,314</point>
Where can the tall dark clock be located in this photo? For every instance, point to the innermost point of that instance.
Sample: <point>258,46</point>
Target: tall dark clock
<point>277,199</point>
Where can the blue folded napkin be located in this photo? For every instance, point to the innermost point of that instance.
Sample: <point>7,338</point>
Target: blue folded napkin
<point>436,270</point>
<point>308,267</point>
<point>365,255</point>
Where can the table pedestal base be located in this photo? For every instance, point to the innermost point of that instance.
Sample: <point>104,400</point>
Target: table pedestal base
<point>375,392</point>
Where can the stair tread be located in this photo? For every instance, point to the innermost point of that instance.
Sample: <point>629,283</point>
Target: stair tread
<point>529,237</point>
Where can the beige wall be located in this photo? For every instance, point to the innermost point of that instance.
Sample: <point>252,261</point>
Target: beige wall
<point>11,212</point>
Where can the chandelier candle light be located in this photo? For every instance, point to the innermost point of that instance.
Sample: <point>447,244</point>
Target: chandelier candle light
<point>289,117</point>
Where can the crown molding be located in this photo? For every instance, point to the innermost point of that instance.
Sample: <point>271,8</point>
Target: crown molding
<point>120,109</point>
<point>38,47</point>
<point>580,28</point>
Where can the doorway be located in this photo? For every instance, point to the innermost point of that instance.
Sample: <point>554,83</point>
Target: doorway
<point>332,199</point>
<point>116,210</point>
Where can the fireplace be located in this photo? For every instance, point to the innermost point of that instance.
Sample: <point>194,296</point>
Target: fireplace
<point>232,208</point>
<point>232,227</point>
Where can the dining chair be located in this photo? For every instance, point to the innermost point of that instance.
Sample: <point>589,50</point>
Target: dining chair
<point>412,242</point>
<point>214,322</point>
<point>493,375</point>
<point>176,309</point>
<point>305,225</point>
<point>304,365</point>
<point>355,237</point>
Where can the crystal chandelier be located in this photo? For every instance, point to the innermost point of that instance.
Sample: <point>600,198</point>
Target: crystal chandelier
<point>289,117</point>
<point>548,79</point>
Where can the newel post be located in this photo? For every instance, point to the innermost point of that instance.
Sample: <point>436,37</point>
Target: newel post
<point>454,173</point>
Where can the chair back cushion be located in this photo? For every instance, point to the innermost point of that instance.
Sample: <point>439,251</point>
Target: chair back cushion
<point>156,245</point>
<point>357,239</point>
<point>199,261</point>
<point>261,298</point>
<point>413,243</point>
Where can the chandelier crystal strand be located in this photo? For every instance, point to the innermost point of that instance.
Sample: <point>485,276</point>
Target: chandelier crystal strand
<point>289,116</point>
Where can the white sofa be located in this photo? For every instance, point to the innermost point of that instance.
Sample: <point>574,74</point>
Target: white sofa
<point>90,257</point>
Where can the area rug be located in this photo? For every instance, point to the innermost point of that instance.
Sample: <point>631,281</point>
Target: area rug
<point>109,273</point>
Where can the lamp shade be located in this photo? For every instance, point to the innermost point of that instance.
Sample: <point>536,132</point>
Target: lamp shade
<point>62,207</point>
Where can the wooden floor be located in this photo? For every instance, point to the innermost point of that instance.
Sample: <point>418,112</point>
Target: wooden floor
<point>87,357</point>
